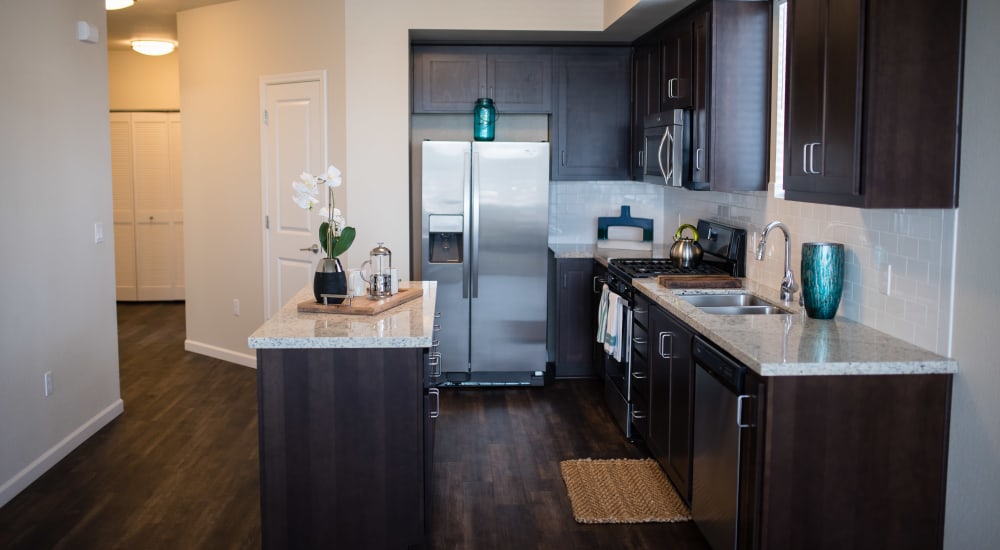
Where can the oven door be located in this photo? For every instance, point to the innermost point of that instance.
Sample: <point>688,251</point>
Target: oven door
<point>617,376</point>
<point>666,146</point>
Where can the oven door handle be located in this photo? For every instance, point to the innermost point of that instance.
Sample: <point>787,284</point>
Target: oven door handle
<point>627,340</point>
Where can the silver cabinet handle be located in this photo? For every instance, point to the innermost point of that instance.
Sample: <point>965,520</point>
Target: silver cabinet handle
<point>562,157</point>
<point>640,341</point>
<point>437,327</point>
<point>437,314</point>
<point>641,164</point>
<point>597,284</point>
<point>434,361</point>
<point>808,151</point>
<point>436,411</point>
<point>639,375</point>
<point>672,88</point>
<point>638,415</point>
<point>314,249</point>
<point>640,311</point>
<point>739,412</point>
<point>697,159</point>
<point>664,336</point>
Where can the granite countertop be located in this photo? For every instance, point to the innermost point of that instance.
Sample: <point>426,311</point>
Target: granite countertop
<point>795,345</point>
<point>408,325</point>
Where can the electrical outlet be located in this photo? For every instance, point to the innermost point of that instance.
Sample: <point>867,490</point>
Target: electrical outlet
<point>48,383</point>
<point>236,307</point>
<point>98,232</point>
<point>885,279</point>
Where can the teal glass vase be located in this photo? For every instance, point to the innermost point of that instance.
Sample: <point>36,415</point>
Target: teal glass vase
<point>822,278</point>
<point>484,119</point>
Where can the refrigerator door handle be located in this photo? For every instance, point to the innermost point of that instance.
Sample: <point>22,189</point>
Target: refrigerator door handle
<point>466,271</point>
<point>474,248</point>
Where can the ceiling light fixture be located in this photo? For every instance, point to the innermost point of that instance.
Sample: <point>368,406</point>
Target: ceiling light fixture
<point>153,47</point>
<point>117,4</point>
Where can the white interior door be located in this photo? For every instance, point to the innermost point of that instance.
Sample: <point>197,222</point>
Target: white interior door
<point>293,134</point>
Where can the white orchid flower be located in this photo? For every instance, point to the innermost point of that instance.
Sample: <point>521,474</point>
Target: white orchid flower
<point>304,188</point>
<point>308,178</point>
<point>324,213</point>
<point>305,200</point>
<point>338,218</point>
<point>333,178</point>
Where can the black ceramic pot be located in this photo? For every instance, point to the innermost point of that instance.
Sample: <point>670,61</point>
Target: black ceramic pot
<point>330,279</point>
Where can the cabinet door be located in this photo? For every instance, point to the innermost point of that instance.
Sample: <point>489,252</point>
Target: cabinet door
<point>520,80</point>
<point>699,100</point>
<point>823,84</point>
<point>591,118</point>
<point>575,318</point>
<point>645,97</point>
<point>676,48</point>
<point>447,81</point>
<point>671,398</point>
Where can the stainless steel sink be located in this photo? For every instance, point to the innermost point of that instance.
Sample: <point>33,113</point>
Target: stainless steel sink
<point>733,304</point>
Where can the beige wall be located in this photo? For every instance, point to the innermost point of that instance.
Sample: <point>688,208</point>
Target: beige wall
<point>139,82</point>
<point>225,50</point>
<point>973,503</point>
<point>57,286</point>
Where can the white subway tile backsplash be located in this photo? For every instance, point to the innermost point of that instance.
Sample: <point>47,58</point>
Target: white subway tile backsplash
<point>917,243</point>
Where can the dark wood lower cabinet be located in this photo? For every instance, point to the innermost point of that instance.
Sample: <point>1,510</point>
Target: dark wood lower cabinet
<point>342,447</point>
<point>849,462</point>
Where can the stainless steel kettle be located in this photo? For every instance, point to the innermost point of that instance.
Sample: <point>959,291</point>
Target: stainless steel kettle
<point>686,252</point>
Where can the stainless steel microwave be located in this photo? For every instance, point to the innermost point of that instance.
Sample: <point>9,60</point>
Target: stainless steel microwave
<point>666,148</point>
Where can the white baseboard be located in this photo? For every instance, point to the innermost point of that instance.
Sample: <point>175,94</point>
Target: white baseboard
<point>49,458</point>
<point>245,359</point>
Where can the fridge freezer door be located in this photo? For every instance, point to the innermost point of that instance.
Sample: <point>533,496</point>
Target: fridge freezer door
<point>509,237</point>
<point>446,192</point>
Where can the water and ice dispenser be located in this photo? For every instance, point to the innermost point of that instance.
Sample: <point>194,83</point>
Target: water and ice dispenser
<point>445,232</point>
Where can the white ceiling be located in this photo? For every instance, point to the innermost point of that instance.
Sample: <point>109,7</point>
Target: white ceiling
<point>158,19</point>
<point>148,19</point>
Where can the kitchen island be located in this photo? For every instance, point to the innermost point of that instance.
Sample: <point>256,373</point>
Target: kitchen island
<point>345,425</point>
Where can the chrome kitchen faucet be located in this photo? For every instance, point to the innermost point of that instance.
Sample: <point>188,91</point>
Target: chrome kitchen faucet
<point>788,286</point>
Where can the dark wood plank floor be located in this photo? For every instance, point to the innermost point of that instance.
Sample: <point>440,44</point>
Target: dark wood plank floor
<point>179,468</point>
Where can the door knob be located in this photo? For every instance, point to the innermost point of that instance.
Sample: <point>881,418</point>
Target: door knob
<point>314,248</point>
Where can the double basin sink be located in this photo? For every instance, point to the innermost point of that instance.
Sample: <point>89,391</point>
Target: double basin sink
<point>733,304</point>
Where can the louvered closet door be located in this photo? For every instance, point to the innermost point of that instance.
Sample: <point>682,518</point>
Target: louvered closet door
<point>122,198</point>
<point>157,217</point>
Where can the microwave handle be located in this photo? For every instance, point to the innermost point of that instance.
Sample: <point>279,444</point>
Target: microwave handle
<point>659,155</point>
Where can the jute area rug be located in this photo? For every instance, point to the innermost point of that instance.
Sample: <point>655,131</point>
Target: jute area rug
<point>621,491</point>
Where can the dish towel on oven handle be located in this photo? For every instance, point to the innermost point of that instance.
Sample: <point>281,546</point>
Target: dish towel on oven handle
<point>612,337</point>
<point>602,314</point>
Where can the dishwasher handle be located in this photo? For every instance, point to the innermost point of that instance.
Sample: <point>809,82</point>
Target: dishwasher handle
<point>739,412</point>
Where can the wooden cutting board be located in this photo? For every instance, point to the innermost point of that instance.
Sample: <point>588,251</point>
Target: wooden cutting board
<point>700,281</point>
<point>363,305</point>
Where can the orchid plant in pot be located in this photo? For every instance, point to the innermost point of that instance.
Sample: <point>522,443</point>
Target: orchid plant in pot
<point>335,236</point>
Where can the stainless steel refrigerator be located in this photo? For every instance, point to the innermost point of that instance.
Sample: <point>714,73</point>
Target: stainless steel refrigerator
<point>484,239</point>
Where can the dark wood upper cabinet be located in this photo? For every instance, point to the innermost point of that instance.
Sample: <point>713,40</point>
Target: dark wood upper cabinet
<point>715,60</point>
<point>449,79</point>
<point>872,102</point>
<point>590,122</point>
<point>675,58</point>
<point>645,96</point>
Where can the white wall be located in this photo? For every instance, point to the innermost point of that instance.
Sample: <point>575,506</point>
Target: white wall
<point>57,286</point>
<point>973,504</point>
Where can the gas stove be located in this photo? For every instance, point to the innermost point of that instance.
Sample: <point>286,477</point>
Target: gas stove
<point>724,253</point>
<point>639,268</point>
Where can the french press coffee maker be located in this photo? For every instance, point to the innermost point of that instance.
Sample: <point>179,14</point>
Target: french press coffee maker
<point>379,272</point>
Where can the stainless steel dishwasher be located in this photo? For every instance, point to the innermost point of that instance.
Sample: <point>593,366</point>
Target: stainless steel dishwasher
<point>718,429</point>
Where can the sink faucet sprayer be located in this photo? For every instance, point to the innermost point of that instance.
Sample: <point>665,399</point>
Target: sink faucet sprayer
<point>788,286</point>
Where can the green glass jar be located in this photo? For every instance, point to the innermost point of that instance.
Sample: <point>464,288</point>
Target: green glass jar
<point>484,119</point>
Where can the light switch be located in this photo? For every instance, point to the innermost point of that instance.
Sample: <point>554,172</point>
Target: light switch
<point>98,232</point>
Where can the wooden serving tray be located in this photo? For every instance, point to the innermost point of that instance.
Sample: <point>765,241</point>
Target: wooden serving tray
<point>363,305</point>
<point>700,281</point>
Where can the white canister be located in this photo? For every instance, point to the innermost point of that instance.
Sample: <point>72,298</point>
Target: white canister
<point>394,281</point>
<point>355,283</point>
